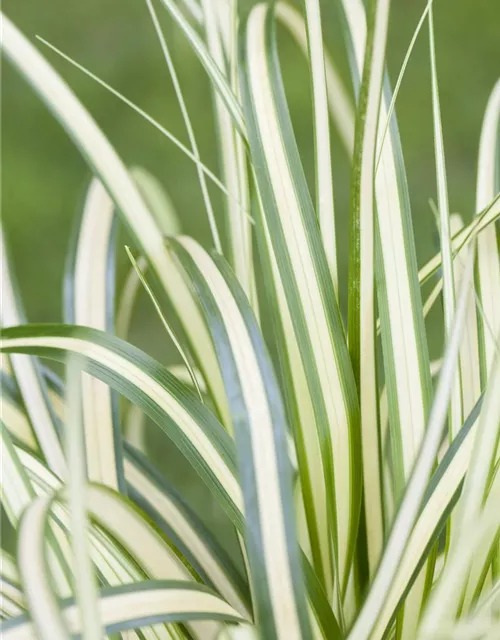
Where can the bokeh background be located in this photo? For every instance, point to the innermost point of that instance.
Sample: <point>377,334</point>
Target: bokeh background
<point>44,178</point>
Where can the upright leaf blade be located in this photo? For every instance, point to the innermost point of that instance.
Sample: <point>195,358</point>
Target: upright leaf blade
<point>478,484</point>
<point>288,231</point>
<point>84,579</point>
<point>399,299</point>
<point>187,123</point>
<point>221,32</point>
<point>488,258</point>
<point>89,297</point>
<point>35,574</point>
<point>441,496</point>
<point>261,430</point>
<point>470,362</point>
<point>368,621</point>
<point>323,159</point>
<point>362,274</point>
<point>212,68</point>
<point>444,227</point>
<point>339,101</point>
<point>405,353</point>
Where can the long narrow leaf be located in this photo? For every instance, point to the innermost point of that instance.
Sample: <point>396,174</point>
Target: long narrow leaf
<point>366,623</point>
<point>339,101</point>
<point>89,291</point>
<point>142,380</point>
<point>17,493</point>
<point>405,354</point>
<point>289,232</point>
<point>488,259</point>
<point>323,159</point>
<point>440,498</point>
<point>84,579</point>
<point>172,514</point>
<point>483,219</point>
<point>187,123</point>
<point>444,228</point>
<point>362,274</point>
<point>27,375</point>
<point>12,600</point>
<point>139,605</point>
<point>35,573</point>
<point>406,360</point>
<point>470,362</point>
<point>210,65</point>
<point>104,161</point>
<point>221,36</point>
<point>260,430</point>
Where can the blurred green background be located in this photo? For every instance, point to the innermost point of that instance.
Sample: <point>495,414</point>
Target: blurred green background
<point>44,178</point>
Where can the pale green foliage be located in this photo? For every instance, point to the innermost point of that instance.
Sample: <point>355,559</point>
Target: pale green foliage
<point>364,500</point>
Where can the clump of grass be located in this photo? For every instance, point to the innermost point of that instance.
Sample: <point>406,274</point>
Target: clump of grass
<point>363,496</point>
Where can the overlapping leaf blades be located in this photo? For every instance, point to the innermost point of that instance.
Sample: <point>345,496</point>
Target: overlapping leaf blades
<point>288,458</point>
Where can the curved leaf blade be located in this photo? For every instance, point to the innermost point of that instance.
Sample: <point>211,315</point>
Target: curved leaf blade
<point>148,384</point>
<point>139,605</point>
<point>106,164</point>
<point>260,429</point>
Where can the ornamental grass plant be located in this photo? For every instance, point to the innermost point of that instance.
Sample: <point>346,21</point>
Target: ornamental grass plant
<point>358,478</point>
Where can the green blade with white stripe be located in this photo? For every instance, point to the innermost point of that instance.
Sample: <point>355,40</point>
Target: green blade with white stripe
<point>361,308</point>
<point>84,576</point>
<point>322,156</point>
<point>35,572</point>
<point>125,544</point>
<point>384,595</point>
<point>488,257</point>
<point>27,374</point>
<point>106,164</point>
<point>113,566</point>
<point>221,33</point>
<point>288,233</point>
<point>456,412</point>
<point>150,491</point>
<point>399,299</point>
<point>136,606</point>
<point>470,361</point>
<point>404,344</point>
<point>190,425</point>
<point>483,219</point>
<point>213,70</point>
<point>439,501</point>
<point>89,287</point>
<point>143,544</point>
<point>473,506</point>
<point>12,600</point>
<point>261,435</point>
<point>16,492</point>
<point>339,100</point>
